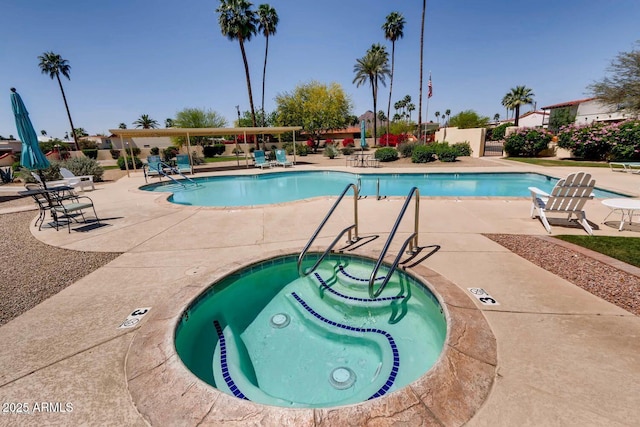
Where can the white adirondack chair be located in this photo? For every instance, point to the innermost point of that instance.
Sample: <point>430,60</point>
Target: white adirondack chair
<point>567,197</point>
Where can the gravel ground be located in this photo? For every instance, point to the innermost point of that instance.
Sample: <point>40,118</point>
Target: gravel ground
<point>33,271</point>
<point>602,280</point>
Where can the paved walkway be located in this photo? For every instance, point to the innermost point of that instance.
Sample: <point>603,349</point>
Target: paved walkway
<point>565,357</point>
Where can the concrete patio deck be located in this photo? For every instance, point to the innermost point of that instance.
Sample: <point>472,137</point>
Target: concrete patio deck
<point>564,356</point>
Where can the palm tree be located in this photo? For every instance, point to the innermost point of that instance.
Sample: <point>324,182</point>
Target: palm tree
<point>43,132</point>
<point>410,107</point>
<point>146,122</point>
<point>168,123</point>
<point>122,125</point>
<point>267,23</point>
<point>393,30</point>
<point>372,68</point>
<point>238,22</point>
<point>424,9</point>
<point>53,65</point>
<point>447,113</point>
<point>496,117</point>
<point>520,95</point>
<point>437,114</point>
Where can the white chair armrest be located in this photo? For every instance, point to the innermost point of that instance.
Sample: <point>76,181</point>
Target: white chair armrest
<point>538,192</point>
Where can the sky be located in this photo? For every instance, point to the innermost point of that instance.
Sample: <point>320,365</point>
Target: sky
<point>157,57</point>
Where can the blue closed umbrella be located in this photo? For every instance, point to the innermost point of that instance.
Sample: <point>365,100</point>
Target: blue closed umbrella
<point>32,157</point>
<point>363,135</point>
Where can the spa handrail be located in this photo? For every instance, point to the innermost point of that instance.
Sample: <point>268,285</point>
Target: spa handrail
<point>412,241</point>
<point>353,226</point>
<point>161,167</point>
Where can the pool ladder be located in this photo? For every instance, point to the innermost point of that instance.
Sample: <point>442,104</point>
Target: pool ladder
<point>411,242</point>
<point>161,171</point>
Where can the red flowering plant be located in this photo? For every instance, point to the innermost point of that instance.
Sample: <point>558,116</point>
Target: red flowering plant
<point>250,139</point>
<point>348,142</point>
<point>328,141</point>
<point>388,140</point>
<point>310,143</point>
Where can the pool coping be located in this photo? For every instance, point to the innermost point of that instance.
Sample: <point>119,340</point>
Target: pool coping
<point>164,391</point>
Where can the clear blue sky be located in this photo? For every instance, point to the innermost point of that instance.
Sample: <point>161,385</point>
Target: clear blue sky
<point>157,57</point>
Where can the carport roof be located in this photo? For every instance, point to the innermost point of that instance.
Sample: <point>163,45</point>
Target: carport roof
<point>148,133</point>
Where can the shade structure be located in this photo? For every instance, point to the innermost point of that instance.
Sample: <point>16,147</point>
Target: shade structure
<point>31,157</point>
<point>363,134</point>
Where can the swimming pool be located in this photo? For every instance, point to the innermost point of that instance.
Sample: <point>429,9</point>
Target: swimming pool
<point>266,335</point>
<point>279,187</point>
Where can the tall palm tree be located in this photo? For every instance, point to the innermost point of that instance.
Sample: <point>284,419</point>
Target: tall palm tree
<point>496,117</point>
<point>146,122</point>
<point>238,22</point>
<point>122,125</point>
<point>410,107</point>
<point>168,123</point>
<point>424,9</point>
<point>393,30</point>
<point>519,95</point>
<point>53,65</point>
<point>267,23</point>
<point>372,68</point>
<point>447,113</point>
<point>437,114</point>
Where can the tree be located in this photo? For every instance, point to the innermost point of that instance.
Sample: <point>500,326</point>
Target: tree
<point>43,132</point>
<point>372,68</point>
<point>437,114</point>
<point>267,23</point>
<point>468,119</point>
<point>238,22</point>
<point>80,132</point>
<point>447,113</point>
<point>496,117</point>
<point>316,107</point>
<point>168,123</point>
<point>519,95</point>
<point>53,65</point>
<point>122,126</point>
<point>424,9</point>
<point>621,88</point>
<point>197,118</point>
<point>410,107</point>
<point>146,122</point>
<point>393,30</point>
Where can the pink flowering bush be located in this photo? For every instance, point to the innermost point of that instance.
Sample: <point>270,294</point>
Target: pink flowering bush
<point>527,142</point>
<point>600,141</point>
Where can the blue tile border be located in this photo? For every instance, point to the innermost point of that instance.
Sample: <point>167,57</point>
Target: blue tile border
<point>224,365</point>
<point>343,271</point>
<point>396,355</point>
<point>323,285</point>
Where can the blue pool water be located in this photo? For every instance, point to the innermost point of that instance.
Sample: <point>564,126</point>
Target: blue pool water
<point>268,336</point>
<point>261,189</point>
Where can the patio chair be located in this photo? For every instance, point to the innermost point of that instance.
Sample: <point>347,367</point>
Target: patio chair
<point>49,183</point>
<point>567,197</point>
<point>65,209</point>
<point>183,165</point>
<point>631,167</point>
<point>281,158</point>
<point>153,167</point>
<point>260,159</point>
<point>74,181</point>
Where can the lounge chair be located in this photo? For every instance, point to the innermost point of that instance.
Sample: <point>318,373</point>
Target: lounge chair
<point>281,158</point>
<point>74,181</point>
<point>183,165</point>
<point>567,197</point>
<point>50,184</point>
<point>631,167</point>
<point>154,166</point>
<point>260,159</point>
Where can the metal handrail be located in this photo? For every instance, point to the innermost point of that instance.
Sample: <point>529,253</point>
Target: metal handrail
<point>352,239</point>
<point>160,169</point>
<point>412,241</point>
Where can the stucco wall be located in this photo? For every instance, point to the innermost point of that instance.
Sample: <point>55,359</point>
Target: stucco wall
<point>475,137</point>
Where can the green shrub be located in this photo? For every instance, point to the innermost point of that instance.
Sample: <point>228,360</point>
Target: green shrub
<point>497,133</point>
<point>330,151</point>
<point>424,153</point>
<point>462,149</point>
<point>90,153</point>
<point>213,150</point>
<point>599,141</point>
<point>386,154</point>
<point>527,142</point>
<point>129,163</point>
<point>301,149</point>
<point>348,150</point>
<point>16,166</point>
<point>447,154</point>
<point>154,151</point>
<point>84,166</point>
<point>169,153</point>
<point>134,150</point>
<point>114,153</point>
<point>86,144</point>
<point>406,148</point>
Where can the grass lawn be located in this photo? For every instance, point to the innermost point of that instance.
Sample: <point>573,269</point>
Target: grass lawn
<point>222,158</point>
<point>626,249</point>
<point>541,161</point>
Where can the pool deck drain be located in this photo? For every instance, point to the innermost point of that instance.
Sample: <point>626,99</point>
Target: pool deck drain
<point>564,356</point>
